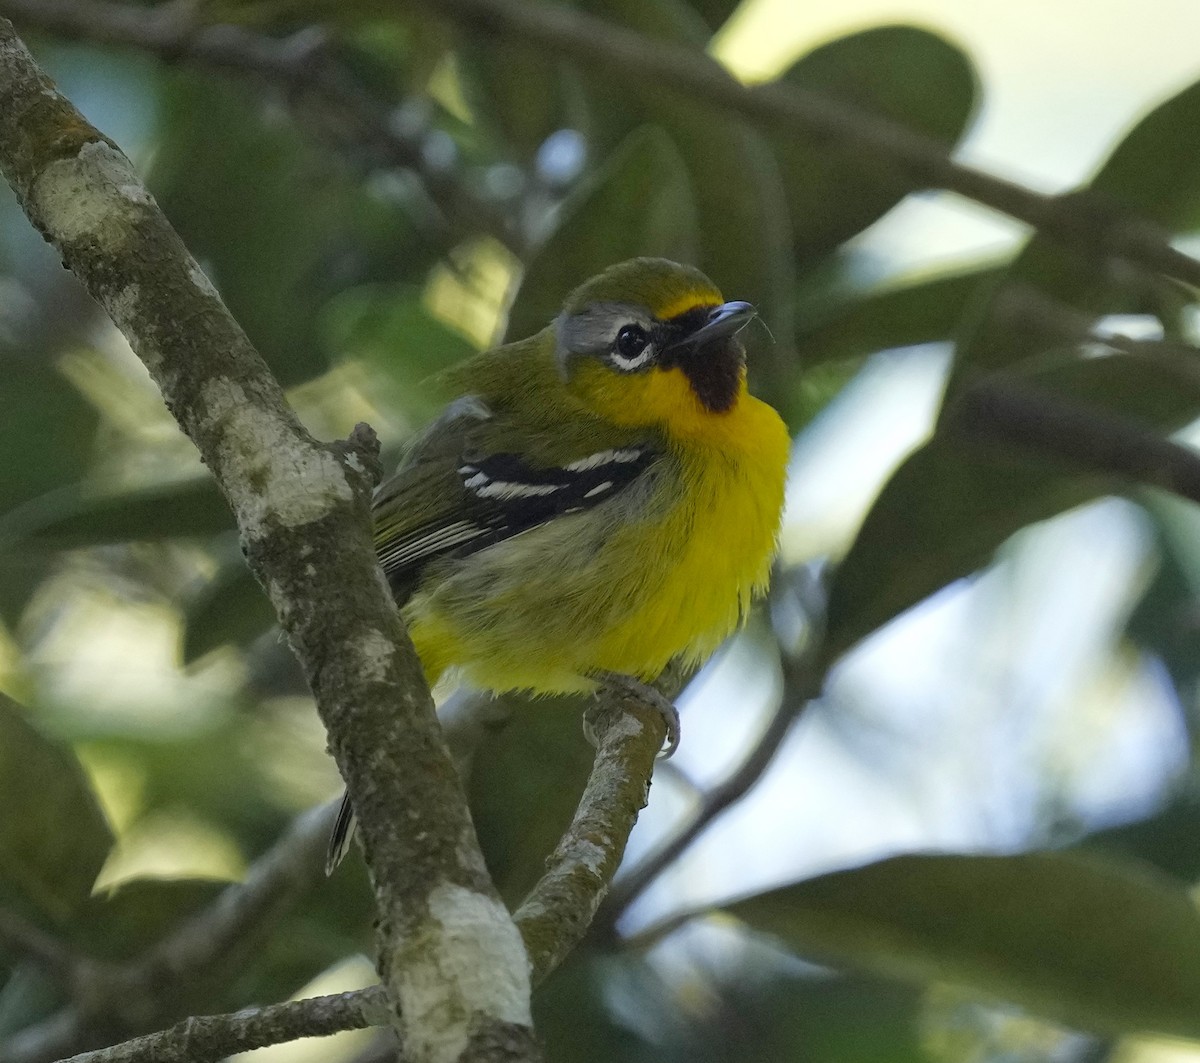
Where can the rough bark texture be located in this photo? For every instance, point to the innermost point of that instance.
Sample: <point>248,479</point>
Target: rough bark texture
<point>450,955</point>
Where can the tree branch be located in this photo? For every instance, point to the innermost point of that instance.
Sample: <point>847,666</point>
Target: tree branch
<point>1080,219</point>
<point>1086,436</point>
<point>303,512</point>
<point>559,909</point>
<point>208,1038</point>
<point>124,999</point>
<point>244,911</point>
<point>802,679</point>
<point>552,919</point>
<point>1024,311</point>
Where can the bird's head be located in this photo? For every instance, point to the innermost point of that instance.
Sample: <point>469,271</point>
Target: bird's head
<point>651,342</point>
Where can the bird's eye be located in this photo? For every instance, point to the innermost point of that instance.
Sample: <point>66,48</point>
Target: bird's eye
<point>631,348</point>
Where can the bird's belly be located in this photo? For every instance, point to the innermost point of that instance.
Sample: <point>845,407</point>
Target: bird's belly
<point>580,595</point>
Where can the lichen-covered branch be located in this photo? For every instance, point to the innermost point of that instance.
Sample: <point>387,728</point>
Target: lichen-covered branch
<point>552,919</point>
<point>803,676</point>
<point>559,909</point>
<point>208,1038</point>
<point>303,510</point>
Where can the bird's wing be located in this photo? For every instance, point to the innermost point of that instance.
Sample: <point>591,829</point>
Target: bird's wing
<point>455,493</point>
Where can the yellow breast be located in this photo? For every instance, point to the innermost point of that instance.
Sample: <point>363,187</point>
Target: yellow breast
<point>712,553</point>
<point>578,595</point>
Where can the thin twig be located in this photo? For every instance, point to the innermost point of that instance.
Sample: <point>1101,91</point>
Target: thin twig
<point>1080,220</point>
<point>207,1038</point>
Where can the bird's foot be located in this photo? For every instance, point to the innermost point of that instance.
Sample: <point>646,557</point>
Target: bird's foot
<point>628,686</point>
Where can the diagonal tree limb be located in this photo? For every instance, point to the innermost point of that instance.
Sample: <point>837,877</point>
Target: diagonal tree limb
<point>245,912</point>
<point>552,919</point>
<point>560,908</point>
<point>303,512</point>
<point>1080,220</point>
<point>1088,437</point>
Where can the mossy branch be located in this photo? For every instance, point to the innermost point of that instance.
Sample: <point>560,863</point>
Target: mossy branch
<point>303,510</point>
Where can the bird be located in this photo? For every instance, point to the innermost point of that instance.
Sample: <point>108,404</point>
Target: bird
<point>596,500</point>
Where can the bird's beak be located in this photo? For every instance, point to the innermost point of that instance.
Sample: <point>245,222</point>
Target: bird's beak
<point>723,321</point>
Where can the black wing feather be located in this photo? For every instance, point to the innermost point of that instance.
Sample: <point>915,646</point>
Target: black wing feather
<point>504,497</point>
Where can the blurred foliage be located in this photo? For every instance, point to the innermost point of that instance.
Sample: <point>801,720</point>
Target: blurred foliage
<point>359,279</point>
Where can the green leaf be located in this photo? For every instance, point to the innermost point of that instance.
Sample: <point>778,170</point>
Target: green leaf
<point>1164,621</point>
<point>389,329</point>
<point>277,224</point>
<point>1100,945</point>
<point>908,75</point>
<point>21,573</point>
<point>47,429</point>
<point>53,836</point>
<point>185,509</point>
<point>232,608</point>
<point>1152,171</point>
<point>573,1017</point>
<point>518,91</point>
<point>121,924</point>
<point>327,924</point>
<point>1169,840</point>
<point>715,12</point>
<point>640,203</point>
<point>1153,174</point>
<point>322,928</point>
<point>524,787</point>
<point>952,502</point>
<point>939,518</point>
<point>928,310</point>
<point>784,1014</point>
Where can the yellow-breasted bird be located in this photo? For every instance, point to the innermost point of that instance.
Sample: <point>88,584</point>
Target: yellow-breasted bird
<point>600,498</point>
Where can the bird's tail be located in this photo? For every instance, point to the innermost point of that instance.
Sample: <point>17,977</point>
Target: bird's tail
<point>342,835</point>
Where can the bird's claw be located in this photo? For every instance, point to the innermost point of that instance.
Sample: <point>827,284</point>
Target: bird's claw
<point>628,686</point>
